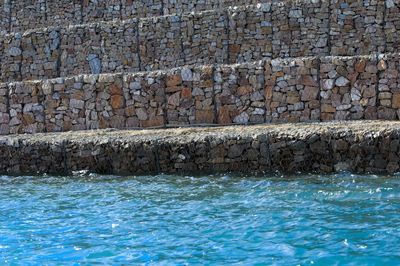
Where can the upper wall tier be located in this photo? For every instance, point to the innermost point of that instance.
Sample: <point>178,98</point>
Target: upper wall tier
<point>21,15</point>
<point>346,15</point>
<point>231,35</point>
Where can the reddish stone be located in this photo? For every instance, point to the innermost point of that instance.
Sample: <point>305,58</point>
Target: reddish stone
<point>360,66</point>
<point>327,117</point>
<point>173,89</point>
<point>370,113</point>
<point>244,90</point>
<point>307,80</point>
<point>174,80</point>
<point>156,121</point>
<point>369,92</point>
<point>117,101</point>
<point>78,95</point>
<point>309,93</point>
<point>227,99</point>
<point>234,48</point>
<point>268,92</point>
<point>174,99</point>
<point>396,100</point>
<point>224,117</point>
<point>204,117</point>
<point>130,111</point>
<point>186,93</point>
<point>67,125</point>
<point>326,108</point>
<point>28,119</point>
<point>115,90</point>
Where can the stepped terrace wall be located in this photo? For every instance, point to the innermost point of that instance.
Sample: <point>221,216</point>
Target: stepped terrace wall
<point>361,147</point>
<point>235,35</point>
<point>278,90</point>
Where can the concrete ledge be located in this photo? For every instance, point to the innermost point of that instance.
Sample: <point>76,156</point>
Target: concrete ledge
<point>363,146</point>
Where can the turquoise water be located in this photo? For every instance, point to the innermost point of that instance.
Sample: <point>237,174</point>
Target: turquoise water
<point>171,220</point>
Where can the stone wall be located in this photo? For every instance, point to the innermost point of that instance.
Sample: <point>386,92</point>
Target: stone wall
<point>357,27</point>
<point>292,90</point>
<point>232,35</point>
<point>348,88</point>
<point>250,33</point>
<point>160,45</point>
<point>190,96</point>
<point>239,93</point>
<point>279,90</point>
<point>27,14</point>
<point>392,25</point>
<point>21,15</point>
<point>80,50</point>
<point>360,147</point>
<point>40,54</point>
<point>388,93</point>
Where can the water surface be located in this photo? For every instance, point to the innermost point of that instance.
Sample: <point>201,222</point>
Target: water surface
<point>176,220</point>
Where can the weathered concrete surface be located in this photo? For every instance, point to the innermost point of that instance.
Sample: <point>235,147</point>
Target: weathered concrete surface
<point>363,146</point>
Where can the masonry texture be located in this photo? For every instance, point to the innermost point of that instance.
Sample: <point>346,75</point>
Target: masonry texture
<point>149,64</point>
<point>279,90</point>
<point>104,40</point>
<point>360,147</point>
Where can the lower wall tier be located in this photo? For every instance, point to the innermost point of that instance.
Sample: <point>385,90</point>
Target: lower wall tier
<point>281,90</point>
<point>314,147</point>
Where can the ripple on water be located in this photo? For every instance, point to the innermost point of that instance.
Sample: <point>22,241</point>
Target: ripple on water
<point>205,219</point>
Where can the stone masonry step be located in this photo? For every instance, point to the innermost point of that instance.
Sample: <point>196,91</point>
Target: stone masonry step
<point>357,146</point>
<point>280,90</point>
<point>232,35</point>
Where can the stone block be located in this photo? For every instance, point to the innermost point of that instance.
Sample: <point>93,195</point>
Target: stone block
<point>292,90</point>
<point>239,93</point>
